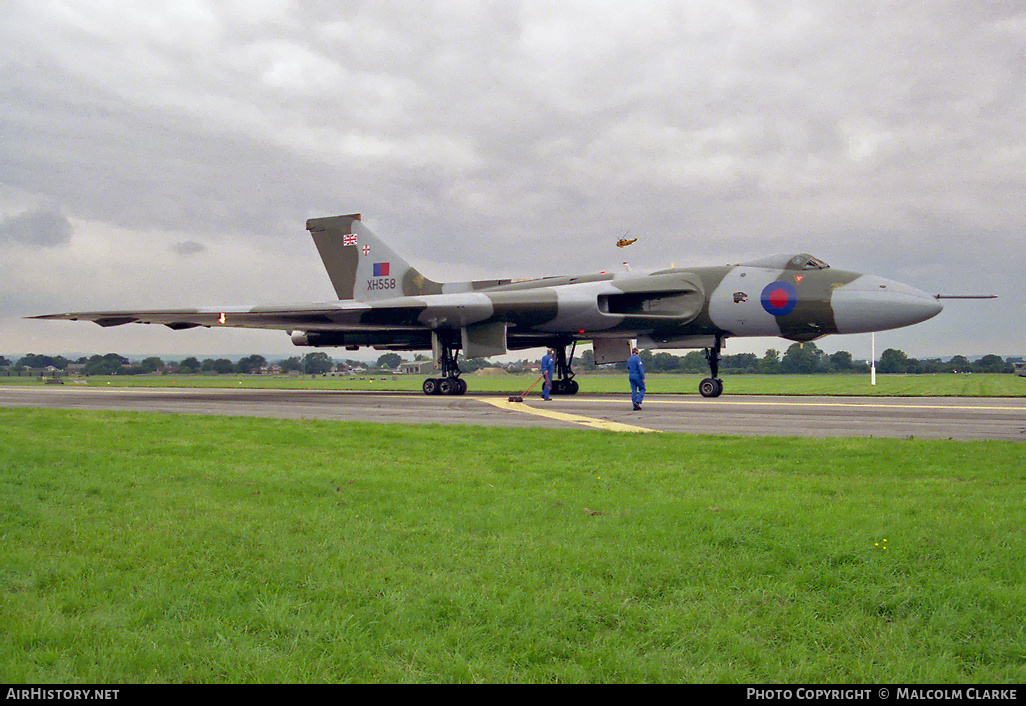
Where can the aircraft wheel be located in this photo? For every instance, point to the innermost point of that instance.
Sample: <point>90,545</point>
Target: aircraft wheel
<point>711,387</point>
<point>430,386</point>
<point>573,387</point>
<point>463,386</point>
<point>448,386</point>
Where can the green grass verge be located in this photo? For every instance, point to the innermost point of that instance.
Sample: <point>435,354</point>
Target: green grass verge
<point>165,548</point>
<point>978,385</point>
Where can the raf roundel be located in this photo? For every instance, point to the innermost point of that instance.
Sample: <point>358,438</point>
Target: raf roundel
<point>779,298</point>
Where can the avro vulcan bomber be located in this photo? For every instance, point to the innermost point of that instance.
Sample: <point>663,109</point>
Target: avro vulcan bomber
<point>386,303</point>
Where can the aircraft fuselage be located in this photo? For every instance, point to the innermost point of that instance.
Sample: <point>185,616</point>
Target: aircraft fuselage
<point>667,309</point>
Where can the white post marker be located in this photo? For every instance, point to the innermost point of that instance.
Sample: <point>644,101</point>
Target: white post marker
<point>872,364</point>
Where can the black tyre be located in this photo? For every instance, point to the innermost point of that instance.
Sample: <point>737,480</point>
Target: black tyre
<point>711,387</point>
<point>430,386</point>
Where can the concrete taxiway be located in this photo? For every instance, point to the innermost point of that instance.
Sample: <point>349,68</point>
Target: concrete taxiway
<point>927,418</point>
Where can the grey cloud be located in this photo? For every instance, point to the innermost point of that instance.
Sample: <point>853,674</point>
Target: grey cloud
<point>188,248</point>
<point>487,133</point>
<point>44,228</point>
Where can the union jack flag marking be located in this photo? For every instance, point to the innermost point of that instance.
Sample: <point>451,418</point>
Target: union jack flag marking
<point>349,239</point>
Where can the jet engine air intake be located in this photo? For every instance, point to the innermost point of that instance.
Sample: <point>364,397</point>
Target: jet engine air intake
<point>674,305</point>
<point>665,296</point>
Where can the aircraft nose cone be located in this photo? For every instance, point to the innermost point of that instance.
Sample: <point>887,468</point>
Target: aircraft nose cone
<point>876,304</point>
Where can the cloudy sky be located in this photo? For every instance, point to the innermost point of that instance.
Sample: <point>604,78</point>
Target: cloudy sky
<point>168,153</point>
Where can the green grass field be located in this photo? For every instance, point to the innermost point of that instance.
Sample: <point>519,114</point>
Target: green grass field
<point>977,385</point>
<point>164,548</point>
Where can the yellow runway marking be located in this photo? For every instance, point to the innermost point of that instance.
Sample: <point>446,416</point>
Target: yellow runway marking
<point>564,417</point>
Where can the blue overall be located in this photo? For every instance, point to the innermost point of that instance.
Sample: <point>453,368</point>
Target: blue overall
<point>548,366</point>
<point>636,375</point>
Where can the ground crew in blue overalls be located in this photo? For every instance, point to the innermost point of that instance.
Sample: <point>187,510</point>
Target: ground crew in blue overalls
<point>548,369</point>
<point>636,375</point>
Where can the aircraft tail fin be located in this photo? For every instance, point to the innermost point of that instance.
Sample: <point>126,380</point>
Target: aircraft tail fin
<point>360,265</point>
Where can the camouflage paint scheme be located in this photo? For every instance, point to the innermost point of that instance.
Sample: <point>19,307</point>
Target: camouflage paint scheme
<point>386,303</point>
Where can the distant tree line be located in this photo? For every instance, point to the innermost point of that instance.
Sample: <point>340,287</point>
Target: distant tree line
<point>798,359</point>
<point>808,358</point>
<point>115,364</point>
<point>894,361</point>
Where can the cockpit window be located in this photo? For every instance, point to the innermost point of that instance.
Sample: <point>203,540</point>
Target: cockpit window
<point>808,262</point>
<point>794,261</point>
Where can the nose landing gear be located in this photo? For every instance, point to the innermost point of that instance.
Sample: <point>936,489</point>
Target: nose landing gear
<point>713,386</point>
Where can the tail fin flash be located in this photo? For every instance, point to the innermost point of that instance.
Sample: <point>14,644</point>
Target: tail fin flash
<point>360,265</point>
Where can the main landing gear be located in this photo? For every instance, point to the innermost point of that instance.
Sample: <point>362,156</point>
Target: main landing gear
<point>564,384</point>
<point>713,386</point>
<point>450,383</point>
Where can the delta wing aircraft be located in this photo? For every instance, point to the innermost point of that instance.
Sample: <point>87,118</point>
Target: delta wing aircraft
<point>385,303</point>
